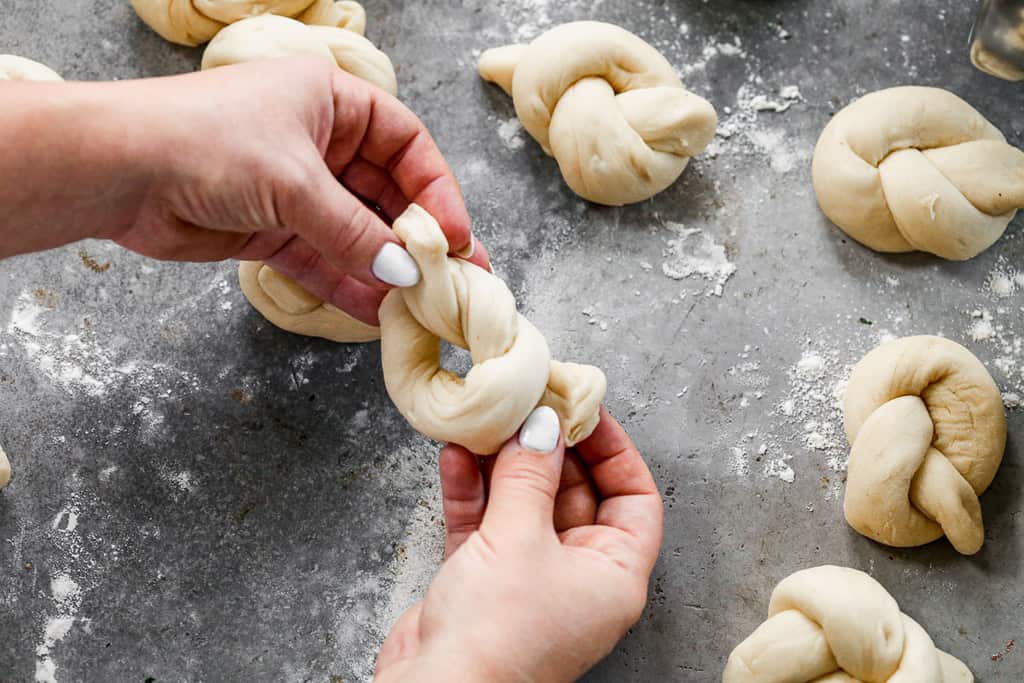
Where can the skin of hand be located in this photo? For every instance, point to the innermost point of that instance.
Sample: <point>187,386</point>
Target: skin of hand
<point>289,161</point>
<point>548,557</point>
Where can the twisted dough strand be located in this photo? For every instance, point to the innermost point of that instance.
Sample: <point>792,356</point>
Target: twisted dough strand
<point>471,308</point>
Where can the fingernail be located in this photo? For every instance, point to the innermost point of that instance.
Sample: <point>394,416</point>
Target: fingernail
<point>541,430</point>
<point>468,250</point>
<point>393,265</point>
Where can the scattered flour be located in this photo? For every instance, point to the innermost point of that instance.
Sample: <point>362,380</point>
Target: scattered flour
<point>693,253</point>
<point>510,132</point>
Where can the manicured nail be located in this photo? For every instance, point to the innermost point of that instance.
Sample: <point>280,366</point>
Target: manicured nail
<point>467,250</point>
<point>394,266</point>
<point>540,431</point>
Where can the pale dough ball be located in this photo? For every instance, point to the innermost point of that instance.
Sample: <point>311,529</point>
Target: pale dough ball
<point>512,372</point>
<point>926,424</point>
<point>841,626</point>
<point>269,36</point>
<point>192,22</point>
<point>918,168</point>
<point>288,306</point>
<point>607,106</point>
<point>13,68</point>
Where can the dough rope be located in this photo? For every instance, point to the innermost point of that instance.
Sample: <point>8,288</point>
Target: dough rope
<point>288,306</point>
<point>14,68</point>
<point>469,307</point>
<point>606,105</point>
<point>837,625</point>
<point>927,429</point>
<point>918,168</point>
<point>281,300</point>
<point>193,22</point>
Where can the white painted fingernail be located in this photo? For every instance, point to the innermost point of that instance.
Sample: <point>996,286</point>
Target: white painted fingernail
<point>467,251</point>
<point>540,431</point>
<point>393,265</point>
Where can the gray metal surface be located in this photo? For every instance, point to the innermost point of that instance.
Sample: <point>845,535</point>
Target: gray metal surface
<point>201,497</point>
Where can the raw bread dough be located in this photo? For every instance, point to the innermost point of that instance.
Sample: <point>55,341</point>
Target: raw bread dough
<point>918,168</point>
<point>607,106</point>
<point>13,68</point>
<point>268,36</point>
<point>281,300</point>
<point>512,373</point>
<point>5,469</point>
<point>837,625</point>
<point>287,305</point>
<point>192,22</point>
<point>927,428</point>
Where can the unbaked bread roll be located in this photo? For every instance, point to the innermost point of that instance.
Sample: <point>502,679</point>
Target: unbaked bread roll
<point>268,36</point>
<point>512,372</point>
<point>918,168</point>
<point>607,106</point>
<point>841,626</point>
<point>287,305</point>
<point>14,68</point>
<point>927,429</point>
<point>193,22</point>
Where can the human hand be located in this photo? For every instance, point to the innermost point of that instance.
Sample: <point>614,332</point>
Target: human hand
<point>245,162</point>
<point>548,556</point>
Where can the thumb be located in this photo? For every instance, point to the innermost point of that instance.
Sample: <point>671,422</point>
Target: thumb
<point>347,233</point>
<point>525,479</point>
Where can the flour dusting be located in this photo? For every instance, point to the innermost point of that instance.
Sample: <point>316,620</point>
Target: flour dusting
<point>691,252</point>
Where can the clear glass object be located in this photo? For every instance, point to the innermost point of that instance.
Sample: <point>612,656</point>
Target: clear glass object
<point>997,40</point>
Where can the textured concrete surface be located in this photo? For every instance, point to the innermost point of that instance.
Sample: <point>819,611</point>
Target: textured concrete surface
<point>201,497</point>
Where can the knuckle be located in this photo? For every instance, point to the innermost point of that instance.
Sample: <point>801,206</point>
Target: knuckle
<point>529,477</point>
<point>355,230</point>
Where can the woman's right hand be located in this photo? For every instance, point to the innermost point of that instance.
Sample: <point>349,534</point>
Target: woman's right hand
<point>549,552</point>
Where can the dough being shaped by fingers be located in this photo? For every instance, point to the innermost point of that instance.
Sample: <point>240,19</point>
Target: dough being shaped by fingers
<point>288,306</point>
<point>269,36</point>
<point>193,22</point>
<point>841,626</point>
<point>607,106</point>
<point>512,372</point>
<point>14,68</point>
<point>918,168</point>
<point>926,424</point>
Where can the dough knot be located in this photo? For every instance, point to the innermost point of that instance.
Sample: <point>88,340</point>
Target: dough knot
<point>512,372</point>
<point>607,106</point>
<point>926,424</point>
<point>14,68</point>
<point>269,36</point>
<point>918,168</point>
<point>838,625</point>
<point>192,22</point>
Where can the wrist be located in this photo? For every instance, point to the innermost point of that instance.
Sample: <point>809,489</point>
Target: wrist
<point>73,170</point>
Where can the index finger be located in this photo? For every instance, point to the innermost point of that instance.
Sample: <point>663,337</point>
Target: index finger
<point>629,497</point>
<point>396,141</point>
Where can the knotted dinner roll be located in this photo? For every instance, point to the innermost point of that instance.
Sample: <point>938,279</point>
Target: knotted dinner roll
<point>268,36</point>
<point>607,106</point>
<point>918,168</point>
<point>288,306</point>
<point>14,68</point>
<point>192,22</point>
<point>5,469</point>
<point>838,625</point>
<point>512,372</point>
<point>927,429</point>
